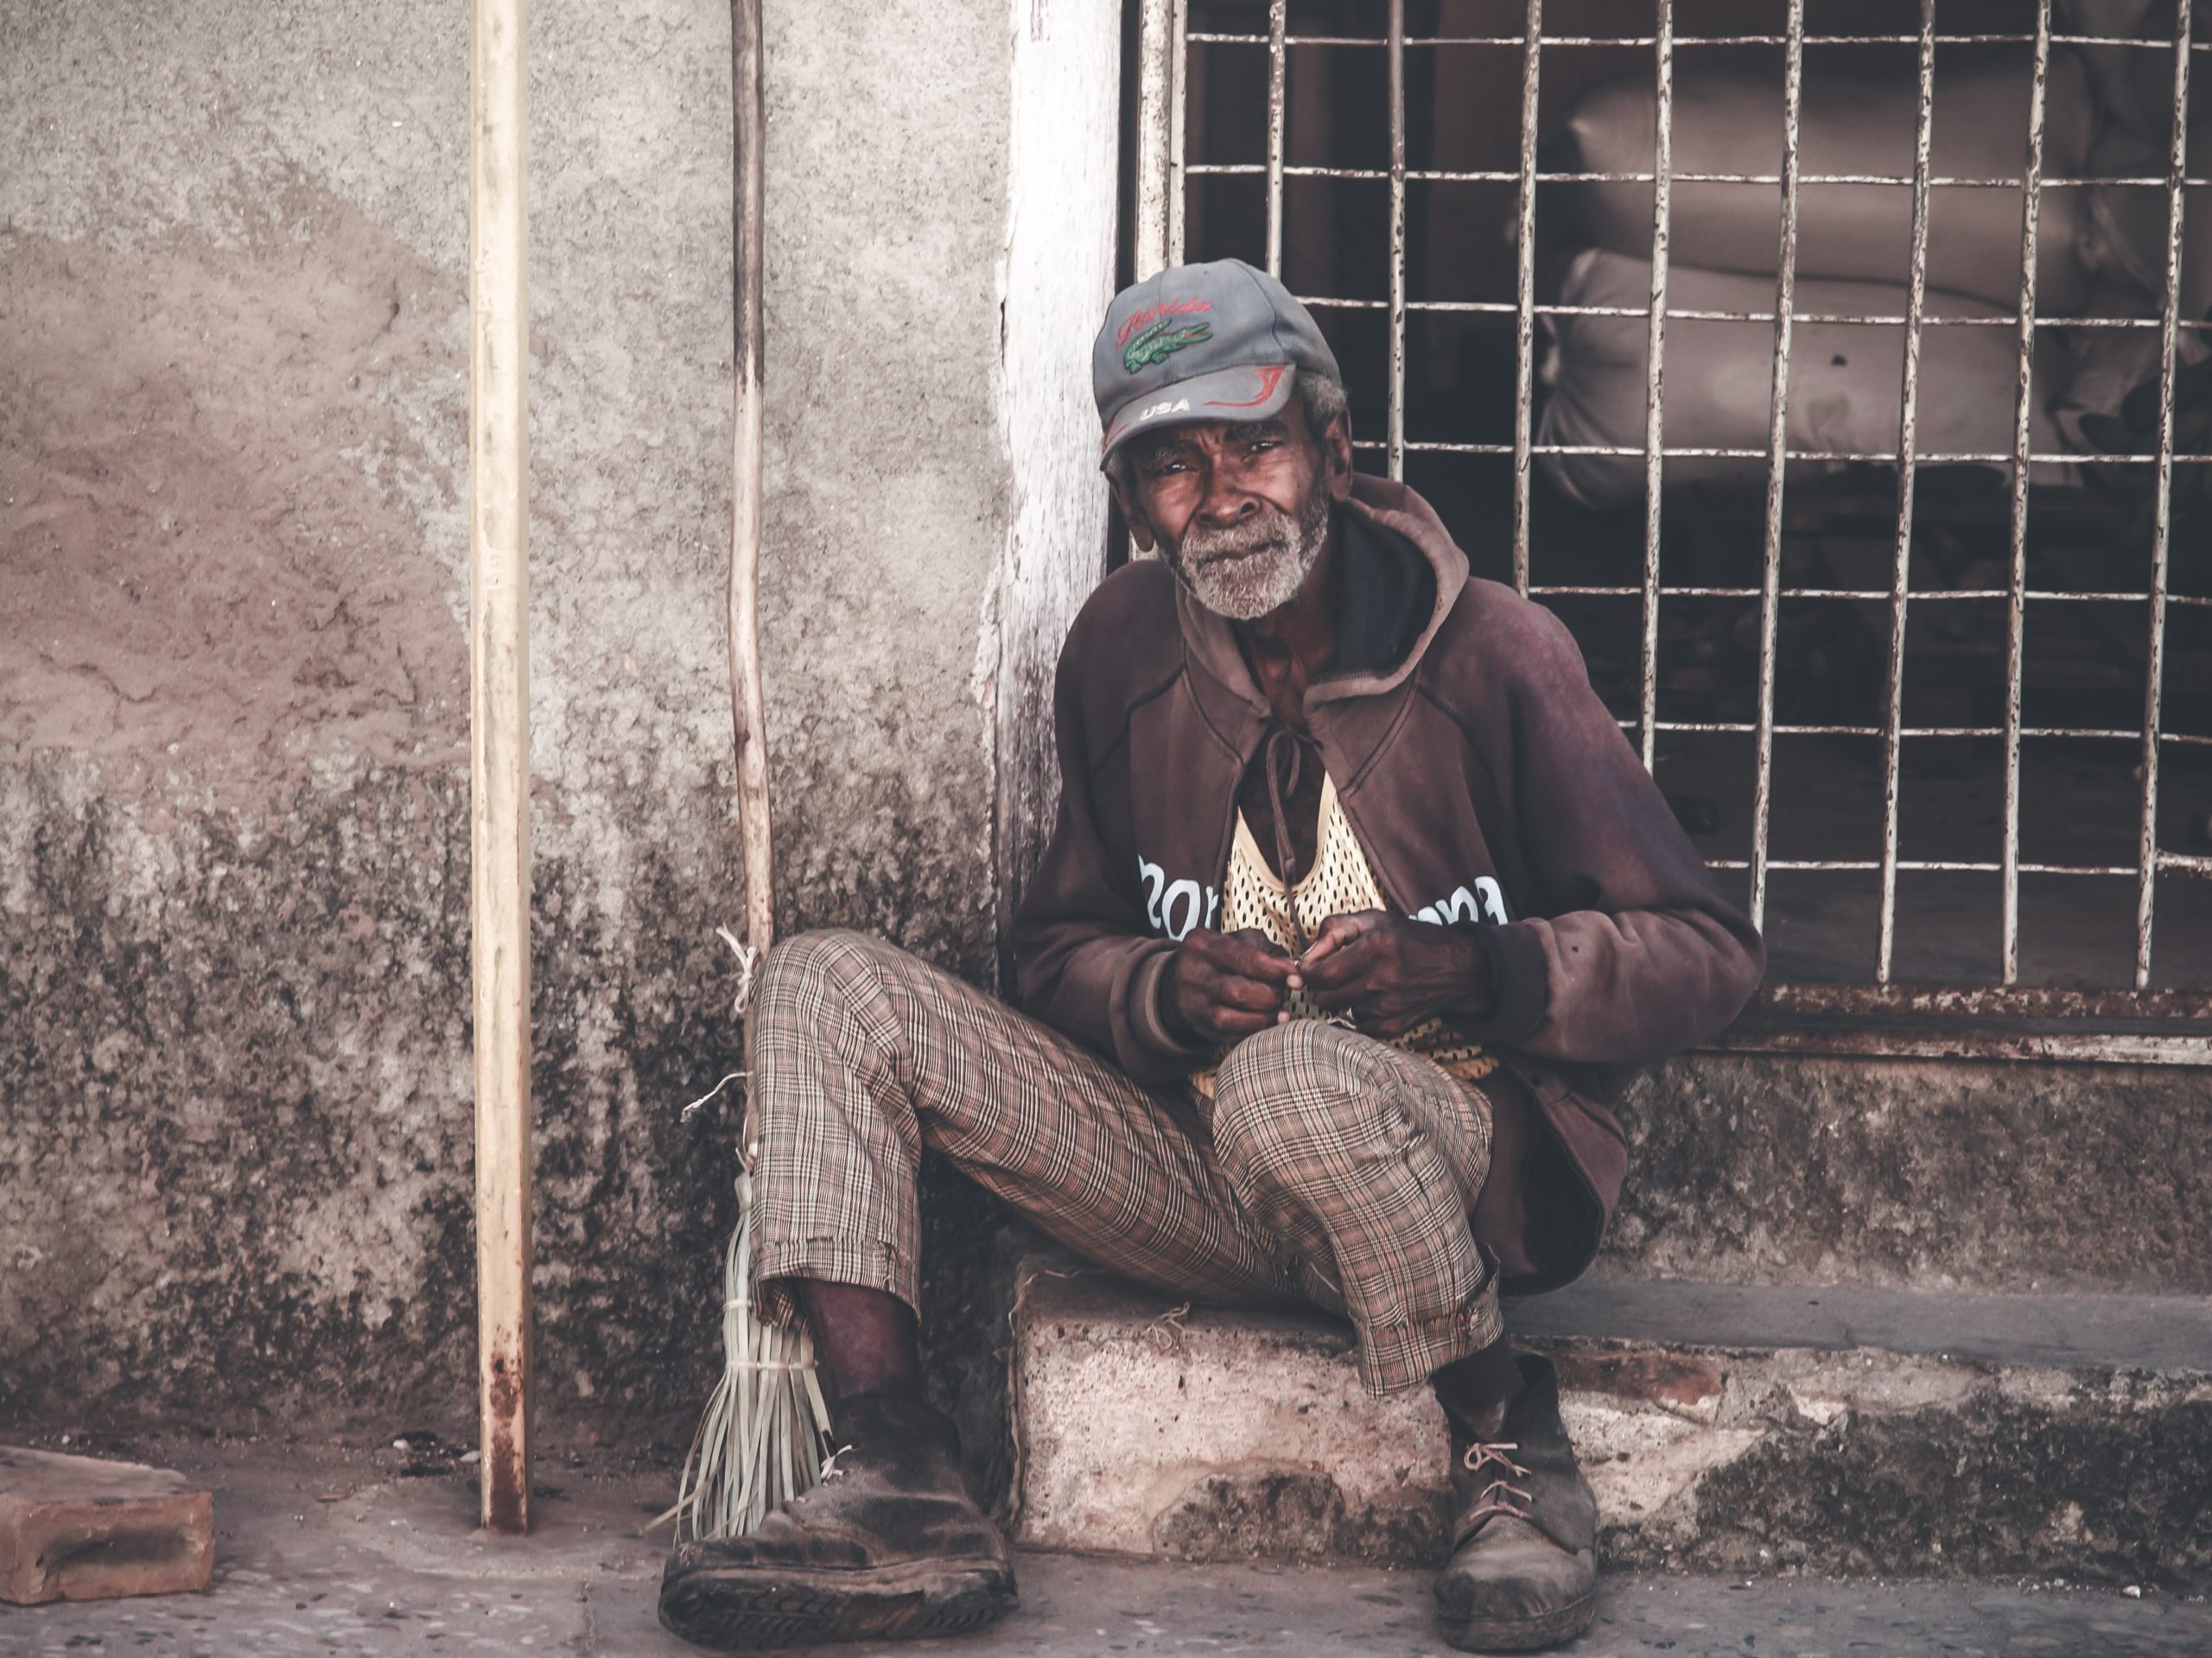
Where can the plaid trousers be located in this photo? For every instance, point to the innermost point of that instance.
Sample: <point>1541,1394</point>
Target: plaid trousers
<point>1334,1170</point>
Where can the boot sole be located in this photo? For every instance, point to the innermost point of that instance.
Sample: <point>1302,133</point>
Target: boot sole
<point>745,1611</point>
<point>1522,1634</point>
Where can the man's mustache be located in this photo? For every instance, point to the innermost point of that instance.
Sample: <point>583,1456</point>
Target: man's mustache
<point>1239,540</point>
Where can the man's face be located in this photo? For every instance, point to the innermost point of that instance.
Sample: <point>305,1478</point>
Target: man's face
<point>1239,510</point>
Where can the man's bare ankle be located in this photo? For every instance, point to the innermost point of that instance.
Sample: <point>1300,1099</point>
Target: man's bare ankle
<point>866,1341</point>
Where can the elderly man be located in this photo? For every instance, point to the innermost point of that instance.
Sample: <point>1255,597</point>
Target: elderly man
<point>1358,907</point>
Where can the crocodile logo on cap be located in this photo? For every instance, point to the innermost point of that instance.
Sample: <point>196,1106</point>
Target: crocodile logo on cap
<point>1157,341</point>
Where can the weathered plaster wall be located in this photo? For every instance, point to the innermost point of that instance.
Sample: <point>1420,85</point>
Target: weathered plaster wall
<point>1924,1174</point>
<point>234,1097</point>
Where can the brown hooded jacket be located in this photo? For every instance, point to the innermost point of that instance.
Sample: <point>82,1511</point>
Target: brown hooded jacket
<point>1490,789</point>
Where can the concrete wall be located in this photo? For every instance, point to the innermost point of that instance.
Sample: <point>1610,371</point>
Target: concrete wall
<point>235,1129</point>
<point>1919,1174</point>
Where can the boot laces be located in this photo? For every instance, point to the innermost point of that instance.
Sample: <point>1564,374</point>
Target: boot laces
<point>1488,1501</point>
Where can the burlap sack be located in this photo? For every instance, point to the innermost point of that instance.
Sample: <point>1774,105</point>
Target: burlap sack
<point>1727,118</point>
<point>2133,85</point>
<point>1845,379</point>
<point>2126,226</point>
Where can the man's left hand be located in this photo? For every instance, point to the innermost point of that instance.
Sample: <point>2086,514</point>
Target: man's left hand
<point>1391,973</point>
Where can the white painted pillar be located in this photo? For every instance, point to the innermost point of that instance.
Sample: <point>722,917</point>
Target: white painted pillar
<point>1064,181</point>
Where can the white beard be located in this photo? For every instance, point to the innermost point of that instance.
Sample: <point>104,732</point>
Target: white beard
<point>1256,567</point>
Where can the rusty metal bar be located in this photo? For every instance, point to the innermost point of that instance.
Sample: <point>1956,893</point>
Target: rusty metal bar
<point>2088,1039</point>
<point>1746,726</point>
<point>1397,391</point>
<point>2137,1027</point>
<point>1655,364</point>
<point>1498,176</point>
<point>1524,295</point>
<point>2162,516</point>
<point>1929,458</point>
<point>1179,98</point>
<point>1793,82</point>
<point>1868,594</point>
<point>1909,731</point>
<point>1922,866</point>
<point>2015,610</point>
<point>1907,420</point>
<point>1694,314</point>
<point>1278,22</point>
<point>1219,38</point>
<point>1214,37</point>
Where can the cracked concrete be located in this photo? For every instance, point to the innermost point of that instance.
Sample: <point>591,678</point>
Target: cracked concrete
<point>321,1546</point>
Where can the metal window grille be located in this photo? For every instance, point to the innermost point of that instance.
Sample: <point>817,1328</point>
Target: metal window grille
<point>2136,1017</point>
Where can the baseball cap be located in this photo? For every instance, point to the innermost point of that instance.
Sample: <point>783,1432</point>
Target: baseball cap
<point>1215,341</point>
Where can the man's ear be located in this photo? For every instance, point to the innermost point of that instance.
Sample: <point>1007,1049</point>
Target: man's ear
<point>1132,514</point>
<point>1335,456</point>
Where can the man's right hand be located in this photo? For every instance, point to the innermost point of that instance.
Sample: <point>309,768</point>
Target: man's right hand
<point>1220,987</point>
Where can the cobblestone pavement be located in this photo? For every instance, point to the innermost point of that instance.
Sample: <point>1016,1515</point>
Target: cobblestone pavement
<point>322,1550</point>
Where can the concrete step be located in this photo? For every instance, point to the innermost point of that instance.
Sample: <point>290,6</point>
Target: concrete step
<point>1740,1428</point>
<point>1919,1174</point>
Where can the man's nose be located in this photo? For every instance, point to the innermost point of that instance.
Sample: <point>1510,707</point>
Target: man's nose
<point>1225,502</point>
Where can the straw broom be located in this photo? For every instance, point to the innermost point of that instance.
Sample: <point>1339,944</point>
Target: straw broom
<point>767,1427</point>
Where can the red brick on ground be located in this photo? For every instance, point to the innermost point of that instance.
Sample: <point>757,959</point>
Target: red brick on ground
<point>78,1529</point>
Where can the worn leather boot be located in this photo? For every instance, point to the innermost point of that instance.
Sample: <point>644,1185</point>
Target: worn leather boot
<point>888,1545</point>
<point>1523,1571</point>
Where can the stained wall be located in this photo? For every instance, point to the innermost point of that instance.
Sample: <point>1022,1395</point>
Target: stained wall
<point>235,1117</point>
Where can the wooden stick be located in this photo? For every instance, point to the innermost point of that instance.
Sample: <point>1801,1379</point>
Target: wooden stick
<point>745,699</point>
<point>498,749</point>
<point>765,1430</point>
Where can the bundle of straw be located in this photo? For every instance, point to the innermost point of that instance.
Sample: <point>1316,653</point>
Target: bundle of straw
<point>767,1428</point>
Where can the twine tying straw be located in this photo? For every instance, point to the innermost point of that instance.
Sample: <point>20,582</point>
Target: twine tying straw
<point>765,1437</point>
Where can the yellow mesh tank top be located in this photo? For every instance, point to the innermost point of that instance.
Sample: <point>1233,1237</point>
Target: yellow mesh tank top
<point>1339,883</point>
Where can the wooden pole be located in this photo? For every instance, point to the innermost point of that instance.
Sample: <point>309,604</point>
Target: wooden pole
<point>745,702</point>
<point>498,749</point>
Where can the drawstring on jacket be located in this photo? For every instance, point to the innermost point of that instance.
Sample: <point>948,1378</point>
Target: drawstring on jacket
<point>1282,742</point>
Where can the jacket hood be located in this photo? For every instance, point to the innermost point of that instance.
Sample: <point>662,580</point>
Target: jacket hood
<point>1210,638</point>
